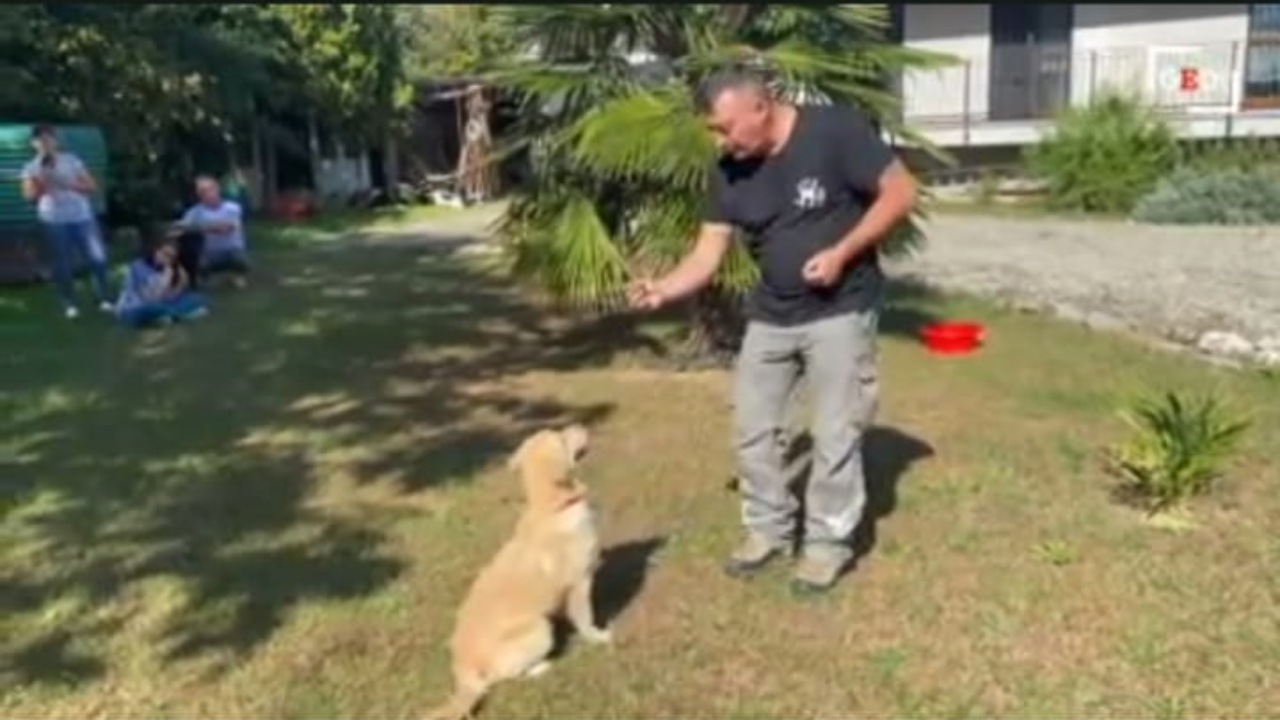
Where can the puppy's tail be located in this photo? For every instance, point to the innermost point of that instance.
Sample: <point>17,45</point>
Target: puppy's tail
<point>461,704</point>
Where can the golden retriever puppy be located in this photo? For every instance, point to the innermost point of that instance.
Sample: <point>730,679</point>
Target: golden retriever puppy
<point>504,625</point>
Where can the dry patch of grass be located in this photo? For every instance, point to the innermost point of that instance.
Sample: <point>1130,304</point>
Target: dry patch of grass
<point>245,519</point>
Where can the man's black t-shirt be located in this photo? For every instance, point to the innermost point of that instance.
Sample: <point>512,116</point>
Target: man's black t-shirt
<point>799,201</point>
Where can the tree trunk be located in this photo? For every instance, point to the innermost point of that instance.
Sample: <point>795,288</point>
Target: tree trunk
<point>271,181</point>
<point>391,165</point>
<point>258,191</point>
<point>313,153</point>
<point>717,325</point>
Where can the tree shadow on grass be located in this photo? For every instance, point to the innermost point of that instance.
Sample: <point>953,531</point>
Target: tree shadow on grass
<point>204,469</point>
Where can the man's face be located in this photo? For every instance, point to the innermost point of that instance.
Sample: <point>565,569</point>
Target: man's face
<point>208,191</point>
<point>45,143</point>
<point>739,121</point>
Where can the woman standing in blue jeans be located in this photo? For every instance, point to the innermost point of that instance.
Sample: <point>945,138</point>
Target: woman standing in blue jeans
<point>60,185</point>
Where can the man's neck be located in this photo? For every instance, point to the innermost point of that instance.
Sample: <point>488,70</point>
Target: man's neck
<point>781,126</point>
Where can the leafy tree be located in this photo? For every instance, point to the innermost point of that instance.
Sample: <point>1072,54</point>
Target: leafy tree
<point>352,61</point>
<point>620,157</point>
<point>353,68</point>
<point>454,41</point>
<point>182,88</point>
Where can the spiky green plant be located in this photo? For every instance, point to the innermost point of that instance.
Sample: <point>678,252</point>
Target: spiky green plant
<point>619,155</point>
<point>1177,447</point>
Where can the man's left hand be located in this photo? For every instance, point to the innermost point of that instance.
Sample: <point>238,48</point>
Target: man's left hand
<point>824,268</point>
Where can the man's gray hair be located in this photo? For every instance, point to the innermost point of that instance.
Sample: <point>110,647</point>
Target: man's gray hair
<point>740,77</point>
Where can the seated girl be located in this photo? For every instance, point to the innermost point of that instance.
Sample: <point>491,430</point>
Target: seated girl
<point>157,289</point>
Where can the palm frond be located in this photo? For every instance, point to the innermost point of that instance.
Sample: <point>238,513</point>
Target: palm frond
<point>651,135</point>
<point>662,228</point>
<point>565,247</point>
<point>738,272</point>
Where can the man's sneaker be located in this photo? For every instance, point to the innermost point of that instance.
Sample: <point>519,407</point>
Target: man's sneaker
<point>196,314</point>
<point>818,570</point>
<point>753,554</point>
<point>106,307</point>
<point>239,282</point>
<point>71,312</point>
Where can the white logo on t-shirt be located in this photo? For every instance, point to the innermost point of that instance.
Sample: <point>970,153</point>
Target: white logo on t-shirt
<point>810,194</point>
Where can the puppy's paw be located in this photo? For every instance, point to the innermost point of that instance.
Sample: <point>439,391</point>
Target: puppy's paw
<point>598,636</point>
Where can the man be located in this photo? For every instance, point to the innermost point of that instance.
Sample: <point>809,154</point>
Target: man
<point>60,186</point>
<point>814,189</point>
<point>220,223</point>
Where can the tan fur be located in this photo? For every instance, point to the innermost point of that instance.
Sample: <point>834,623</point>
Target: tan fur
<point>503,629</point>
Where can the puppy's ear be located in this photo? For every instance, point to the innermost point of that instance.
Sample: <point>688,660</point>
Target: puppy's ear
<point>576,440</point>
<point>517,458</point>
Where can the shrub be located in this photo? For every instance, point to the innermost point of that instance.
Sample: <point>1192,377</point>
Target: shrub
<point>1192,196</point>
<point>1104,157</point>
<point>1248,153</point>
<point>1177,448</point>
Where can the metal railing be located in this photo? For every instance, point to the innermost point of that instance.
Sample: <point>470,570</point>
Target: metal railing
<point>1034,83</point>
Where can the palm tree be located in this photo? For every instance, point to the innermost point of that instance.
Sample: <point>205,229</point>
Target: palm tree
<point>619,155</point>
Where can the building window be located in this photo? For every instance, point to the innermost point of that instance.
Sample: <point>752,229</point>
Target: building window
<point>1262,58</point>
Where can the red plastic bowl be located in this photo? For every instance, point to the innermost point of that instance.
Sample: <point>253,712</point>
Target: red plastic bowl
<point>953,338</point>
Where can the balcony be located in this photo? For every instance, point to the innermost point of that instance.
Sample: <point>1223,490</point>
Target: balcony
<point>1011,96</point>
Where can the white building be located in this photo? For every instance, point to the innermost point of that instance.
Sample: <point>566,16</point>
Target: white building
<point>1214,70</point>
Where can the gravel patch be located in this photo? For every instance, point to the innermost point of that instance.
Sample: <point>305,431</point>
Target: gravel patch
<point>1213,289</point>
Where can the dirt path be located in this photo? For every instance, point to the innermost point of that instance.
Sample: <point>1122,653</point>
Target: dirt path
<point>450,231</point>
<point>1169,282</point>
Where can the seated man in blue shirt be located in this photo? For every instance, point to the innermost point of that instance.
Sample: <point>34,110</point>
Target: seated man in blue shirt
<point>221,223</point>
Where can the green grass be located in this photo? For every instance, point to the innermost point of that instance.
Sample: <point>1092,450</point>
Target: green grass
<point>337,224</point>
<point>274,513</point>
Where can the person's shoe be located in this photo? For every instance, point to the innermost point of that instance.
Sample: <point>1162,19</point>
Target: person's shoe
<point>818,571</point>
<point>196,314</point>
<point>71,312</point>
<point>752,555</point>
<point>107,307</point>
<point>239,282</point>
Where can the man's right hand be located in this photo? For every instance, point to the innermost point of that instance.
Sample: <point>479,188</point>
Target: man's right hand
<point>645,295</point>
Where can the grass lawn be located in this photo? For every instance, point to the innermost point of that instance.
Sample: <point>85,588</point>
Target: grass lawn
<point>275,512</point>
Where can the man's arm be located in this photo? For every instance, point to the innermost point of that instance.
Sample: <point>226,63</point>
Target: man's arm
<point>697,268</point>
<point>871,168</point>
<point>83,181</point>
<point>231,222</point>
<point>32,187</point>
<point>185,223</point>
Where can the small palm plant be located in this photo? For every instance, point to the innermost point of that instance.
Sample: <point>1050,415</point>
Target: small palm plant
<point>1177,448</point>
<point>619,155</point>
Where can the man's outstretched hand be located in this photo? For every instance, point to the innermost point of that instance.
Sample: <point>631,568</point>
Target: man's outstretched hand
<point>645,295</point>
